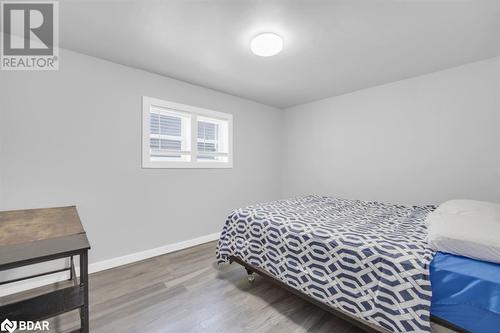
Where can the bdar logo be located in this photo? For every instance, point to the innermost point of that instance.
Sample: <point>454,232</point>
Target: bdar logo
<point>8,326</point>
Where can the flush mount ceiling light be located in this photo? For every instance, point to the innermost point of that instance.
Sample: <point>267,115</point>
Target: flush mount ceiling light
<point>266,44</point>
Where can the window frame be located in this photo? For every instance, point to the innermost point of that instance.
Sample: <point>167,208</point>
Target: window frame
<point>194,112</point>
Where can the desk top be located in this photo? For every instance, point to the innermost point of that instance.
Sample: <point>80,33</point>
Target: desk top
<point>33,234</point>
<point>23,226</point>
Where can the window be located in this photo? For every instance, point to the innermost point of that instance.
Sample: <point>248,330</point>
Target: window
<point>183,136</point>
<point>169,136</point>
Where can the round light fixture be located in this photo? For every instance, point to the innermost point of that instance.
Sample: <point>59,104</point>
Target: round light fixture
<point>266,44</point>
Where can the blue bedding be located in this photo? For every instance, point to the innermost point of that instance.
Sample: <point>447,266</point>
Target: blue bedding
<point>466,292</point>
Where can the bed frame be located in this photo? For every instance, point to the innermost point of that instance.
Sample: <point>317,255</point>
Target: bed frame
<point>364,325</point>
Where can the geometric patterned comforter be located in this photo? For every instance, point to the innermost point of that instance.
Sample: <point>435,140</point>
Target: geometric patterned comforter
<point>368,259</point>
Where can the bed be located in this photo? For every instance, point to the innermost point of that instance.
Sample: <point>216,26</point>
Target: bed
<point>367,262</point>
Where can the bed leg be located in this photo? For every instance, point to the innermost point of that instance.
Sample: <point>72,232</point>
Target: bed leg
<point>250,275</point>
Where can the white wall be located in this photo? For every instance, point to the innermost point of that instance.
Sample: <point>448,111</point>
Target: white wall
<point>421,140</point>
<point>73,136</point>
<point>3,87</point>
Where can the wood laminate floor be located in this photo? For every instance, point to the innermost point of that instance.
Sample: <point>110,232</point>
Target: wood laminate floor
<point>186,291</point>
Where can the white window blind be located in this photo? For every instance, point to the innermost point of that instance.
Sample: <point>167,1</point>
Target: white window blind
<point>212,141</point>
<point>169,137</point>
<point>182,136</point>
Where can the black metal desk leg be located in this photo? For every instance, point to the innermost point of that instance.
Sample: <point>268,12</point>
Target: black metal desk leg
<point>84,284</point>
<point>71,268</point>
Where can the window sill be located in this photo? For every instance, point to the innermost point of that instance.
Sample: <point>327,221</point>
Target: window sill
<point>187,165</point>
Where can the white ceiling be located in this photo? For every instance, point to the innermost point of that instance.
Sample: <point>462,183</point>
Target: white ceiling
<point>331,47</point>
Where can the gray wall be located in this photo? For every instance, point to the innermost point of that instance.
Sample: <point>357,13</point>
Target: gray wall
<point>421,140</point>
<point>73,136</point>
<point>3,87</point>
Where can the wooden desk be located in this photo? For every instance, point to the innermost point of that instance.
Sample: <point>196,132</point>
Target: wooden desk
<point>38,235</point>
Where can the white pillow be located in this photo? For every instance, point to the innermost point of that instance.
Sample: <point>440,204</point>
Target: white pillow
<point>467,228</point>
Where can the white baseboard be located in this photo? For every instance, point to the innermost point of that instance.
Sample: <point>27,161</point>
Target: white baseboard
<point>107,264</point>
<point>138,256</point>
<point>17,287</point>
